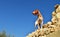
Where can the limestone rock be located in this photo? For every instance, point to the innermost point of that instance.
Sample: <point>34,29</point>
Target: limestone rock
<point>47,31</point>
<point>58,15</point>
<point>50,29</point>
<point>49,23</point>
<point>58,9</point>
<point>42,32</point>
<point>45,25</point>
<point>54,20</point>
<point>53,14</point>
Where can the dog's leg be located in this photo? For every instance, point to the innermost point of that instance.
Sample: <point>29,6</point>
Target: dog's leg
<point>41,25</point>
<point>38,26</point>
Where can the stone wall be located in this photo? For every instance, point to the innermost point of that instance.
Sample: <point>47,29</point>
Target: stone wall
<point>51,28</point>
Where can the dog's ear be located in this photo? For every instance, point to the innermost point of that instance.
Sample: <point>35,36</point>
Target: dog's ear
<point>56,6</point>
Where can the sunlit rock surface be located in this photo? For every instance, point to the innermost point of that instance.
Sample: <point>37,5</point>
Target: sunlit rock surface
<point>51,28</point>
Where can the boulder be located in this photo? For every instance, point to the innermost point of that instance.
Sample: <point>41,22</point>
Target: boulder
<point>42,32</point>
<point>47,31</point>
<point>58,9</point>
<point>53,14</point>
<point>52,30</point>
<point>45,25</point>
<point>54,20</point>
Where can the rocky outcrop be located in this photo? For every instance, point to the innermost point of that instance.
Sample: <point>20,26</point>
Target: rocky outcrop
<point>50,29</point>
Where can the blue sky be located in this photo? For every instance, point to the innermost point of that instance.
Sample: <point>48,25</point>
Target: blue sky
<point>16,15</point>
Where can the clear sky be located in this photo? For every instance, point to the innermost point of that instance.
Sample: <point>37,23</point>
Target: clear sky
<point>16,15</point>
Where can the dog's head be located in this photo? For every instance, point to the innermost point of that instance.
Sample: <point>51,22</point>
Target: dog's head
<point>35,12</point>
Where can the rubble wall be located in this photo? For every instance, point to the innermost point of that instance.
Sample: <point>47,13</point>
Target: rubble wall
<point>52,28</point>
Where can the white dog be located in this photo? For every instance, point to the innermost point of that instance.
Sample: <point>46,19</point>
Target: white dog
<point>39,20</point>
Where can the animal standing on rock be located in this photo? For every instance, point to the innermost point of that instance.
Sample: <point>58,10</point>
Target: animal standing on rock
<point>39,20</point>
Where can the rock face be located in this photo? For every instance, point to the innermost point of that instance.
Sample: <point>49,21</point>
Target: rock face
<point>51,29</point>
